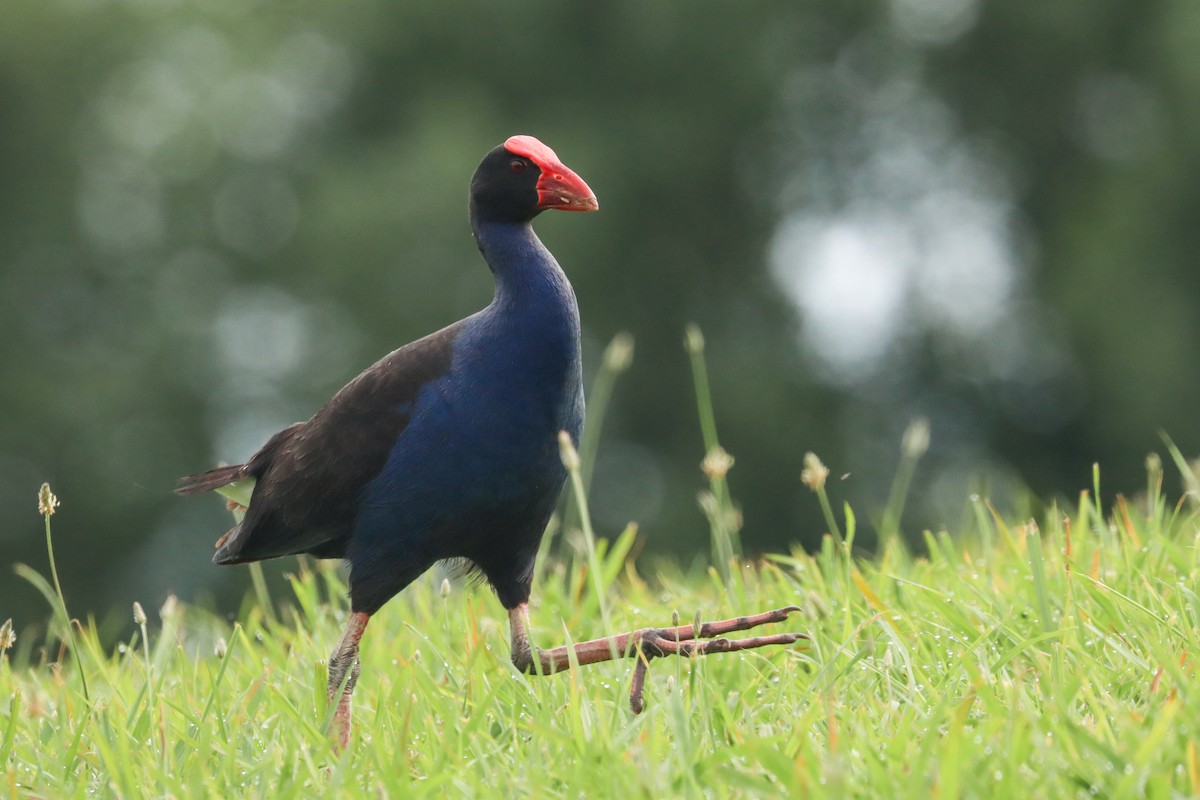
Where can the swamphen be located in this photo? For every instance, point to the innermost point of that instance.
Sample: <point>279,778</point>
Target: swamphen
<point>448,448</point>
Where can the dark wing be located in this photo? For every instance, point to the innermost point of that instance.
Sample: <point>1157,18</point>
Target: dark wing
<point>310,475</point>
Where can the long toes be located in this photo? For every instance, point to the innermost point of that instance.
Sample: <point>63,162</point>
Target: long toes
<point>695,647</point>
<point>636,702</point>
<point>702,647</point>
<point>751,642</point>
<point>745,623</point>
<point>655,644</point>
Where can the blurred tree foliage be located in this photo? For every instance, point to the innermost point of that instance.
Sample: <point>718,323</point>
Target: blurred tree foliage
<point>216,213</point>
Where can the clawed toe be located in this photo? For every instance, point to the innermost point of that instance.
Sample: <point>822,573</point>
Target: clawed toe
<point>689,641</point>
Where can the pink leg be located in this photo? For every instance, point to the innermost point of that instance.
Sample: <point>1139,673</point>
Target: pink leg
<point>645,644</point>
<point>343,669</point>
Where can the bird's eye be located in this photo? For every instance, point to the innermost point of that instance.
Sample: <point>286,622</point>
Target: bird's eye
<point>516,165</point>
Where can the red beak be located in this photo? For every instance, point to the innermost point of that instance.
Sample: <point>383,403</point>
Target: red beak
<point>562,189</point>
<point>558,187</point>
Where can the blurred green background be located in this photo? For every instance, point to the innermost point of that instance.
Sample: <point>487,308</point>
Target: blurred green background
<point>213,214</point>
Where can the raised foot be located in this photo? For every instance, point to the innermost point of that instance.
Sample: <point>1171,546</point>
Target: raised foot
<point>685,640</point>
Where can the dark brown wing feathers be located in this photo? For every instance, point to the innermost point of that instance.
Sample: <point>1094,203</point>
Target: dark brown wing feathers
<point>308,475</point>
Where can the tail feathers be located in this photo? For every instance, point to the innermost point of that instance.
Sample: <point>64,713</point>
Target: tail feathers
<point>212,479</point>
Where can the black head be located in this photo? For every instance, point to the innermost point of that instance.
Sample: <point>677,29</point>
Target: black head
<point>522,178</point>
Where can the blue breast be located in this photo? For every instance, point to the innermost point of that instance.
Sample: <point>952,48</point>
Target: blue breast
<point>479,459</point>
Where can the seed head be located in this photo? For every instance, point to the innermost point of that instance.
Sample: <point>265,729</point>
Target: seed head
<point>47,502</point>
<point>169,607</point>
<point>220,648</point>
<point>567,451</point>
<point>619,353</point>
<point>139,614</point>
<point>814,473</point>
<point>916,438</point>
<point>7,637</point>
<point>693,339</point>
<point>717,463</point>
<point>445,588</point>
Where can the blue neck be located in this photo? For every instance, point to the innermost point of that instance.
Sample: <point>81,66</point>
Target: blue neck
<point>528,278</point>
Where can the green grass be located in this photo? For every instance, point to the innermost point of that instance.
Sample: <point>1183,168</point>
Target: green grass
<point>1014,659</point>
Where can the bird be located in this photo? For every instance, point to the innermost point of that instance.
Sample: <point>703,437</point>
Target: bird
<point>448,448</point>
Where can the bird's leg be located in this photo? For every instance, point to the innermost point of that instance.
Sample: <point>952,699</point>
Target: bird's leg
<point>645,644</point>
<point>522,650</point>
<point>343,669</point>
